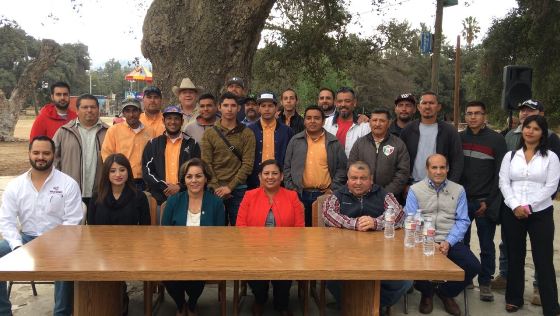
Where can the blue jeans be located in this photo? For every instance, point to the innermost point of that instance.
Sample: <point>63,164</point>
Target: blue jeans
<point>232,204</point>
<point>307,198</point>
<point>485,231</point>
<point>391,291</point>
<point>63,290</point>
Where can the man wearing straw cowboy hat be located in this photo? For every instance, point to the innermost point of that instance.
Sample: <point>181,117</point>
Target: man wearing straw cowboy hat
<point>187,94</point>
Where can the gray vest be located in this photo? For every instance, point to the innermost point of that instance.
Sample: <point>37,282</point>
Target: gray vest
<point>440,206</point>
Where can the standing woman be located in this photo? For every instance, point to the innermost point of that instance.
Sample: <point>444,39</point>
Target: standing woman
<point>271,206</point>
<point>194,207</point>
<point>117,201</point>
<point>528,179</point>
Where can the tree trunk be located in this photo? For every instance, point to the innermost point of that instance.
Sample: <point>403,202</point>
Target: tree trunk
<point>9,108</point>
<point>207,41</point>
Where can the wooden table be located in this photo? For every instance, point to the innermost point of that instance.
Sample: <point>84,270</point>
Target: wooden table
<point>97,257</point>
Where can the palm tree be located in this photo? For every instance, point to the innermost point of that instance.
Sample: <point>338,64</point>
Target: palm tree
<point>470,30</point>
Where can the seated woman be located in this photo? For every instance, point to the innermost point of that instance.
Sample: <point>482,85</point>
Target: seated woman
<point>117,201</point>
<point>528,179</point>
<point>271,206</point>
<point>194,207</point>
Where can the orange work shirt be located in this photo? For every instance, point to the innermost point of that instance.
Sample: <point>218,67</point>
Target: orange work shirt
<point>154,126</point>
<point>316,171</point>
<point>268,140</point>
<point>172,152</point>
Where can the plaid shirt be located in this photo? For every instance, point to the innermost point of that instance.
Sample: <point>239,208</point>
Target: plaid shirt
<point>334,217</point>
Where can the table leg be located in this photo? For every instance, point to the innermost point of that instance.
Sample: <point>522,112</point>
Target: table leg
<point>361,298</point>
<point>98,298</point>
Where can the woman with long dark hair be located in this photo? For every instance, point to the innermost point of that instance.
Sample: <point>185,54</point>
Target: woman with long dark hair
<point>528,179</point>
<point>117,201</point>
<point>196,206</point>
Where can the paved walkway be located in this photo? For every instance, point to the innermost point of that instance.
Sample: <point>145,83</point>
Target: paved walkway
<point>27,305</point>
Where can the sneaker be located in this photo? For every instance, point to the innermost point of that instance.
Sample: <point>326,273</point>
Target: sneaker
<point>499,283</point>
<point>486,294</point>
<point>536,300</point>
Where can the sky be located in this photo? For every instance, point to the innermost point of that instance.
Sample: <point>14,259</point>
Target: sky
<point>113,29</point>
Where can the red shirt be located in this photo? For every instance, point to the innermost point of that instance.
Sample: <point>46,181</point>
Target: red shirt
<point>286,207</point>
<point>343,127</point>
<point>48,121</point>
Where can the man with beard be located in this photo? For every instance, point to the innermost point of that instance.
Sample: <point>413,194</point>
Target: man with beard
<point>271,136</point>
<point>251,111</point>
<point>152,118</point>
<point>78,146</point>
<point>315,162</point>
<point>289,115</point>
<point>187,93</point>
<point>206,119</point>
<point>345,124</point>
<point>128,138</point>
<point>405,107</point>
<point>55,114</point>
<point>164,155</point>
<point>325,100</point>
<point>39,200</point>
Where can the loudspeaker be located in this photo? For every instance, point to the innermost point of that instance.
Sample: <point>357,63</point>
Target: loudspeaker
<point>517,86</point>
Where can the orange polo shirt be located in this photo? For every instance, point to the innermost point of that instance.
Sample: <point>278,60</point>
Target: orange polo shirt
<point>172,152</point>
<point>268,140</point>
<point>120,138</point>
<point>316,171</point>
<point>154,126</point>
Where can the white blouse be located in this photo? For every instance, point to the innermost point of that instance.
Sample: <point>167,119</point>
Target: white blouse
<point>530,183</point>
<point>193,219</point>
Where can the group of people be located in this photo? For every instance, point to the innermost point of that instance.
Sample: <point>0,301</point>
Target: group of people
<point>255,161</point>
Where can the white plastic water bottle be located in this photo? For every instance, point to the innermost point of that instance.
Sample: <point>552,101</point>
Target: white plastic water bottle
<point>389,229</point>
<point>429,233</point>
<point>419,221</point>
<point>409,231</point>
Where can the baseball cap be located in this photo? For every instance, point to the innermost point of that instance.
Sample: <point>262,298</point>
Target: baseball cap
<point>266,96</point>
<point>236,80</point>
<point>131,102</point>
<point>251,97</point>
<point>172,109</point>
<point>152,89</point>
<point>532,104</point>
<point>405,97</point>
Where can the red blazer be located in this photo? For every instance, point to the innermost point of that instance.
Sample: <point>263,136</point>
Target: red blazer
<point>286,207</point>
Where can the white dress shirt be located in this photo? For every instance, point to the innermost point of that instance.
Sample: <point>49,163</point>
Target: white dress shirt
<point>530,183</point>
<point>58,202</point>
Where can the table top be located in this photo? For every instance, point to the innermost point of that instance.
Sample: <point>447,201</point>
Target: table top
<point>112,253</point>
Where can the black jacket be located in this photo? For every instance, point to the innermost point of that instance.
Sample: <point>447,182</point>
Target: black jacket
<point>153,163</point>
<point>296,122</point>
<point>371,204</point>
<point>448,143</point>
<point>130,209</point>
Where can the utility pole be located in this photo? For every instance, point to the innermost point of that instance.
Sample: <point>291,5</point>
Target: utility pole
<point>437,46</point>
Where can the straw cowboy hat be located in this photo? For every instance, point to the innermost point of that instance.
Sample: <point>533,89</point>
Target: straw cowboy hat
<point>186,83</point>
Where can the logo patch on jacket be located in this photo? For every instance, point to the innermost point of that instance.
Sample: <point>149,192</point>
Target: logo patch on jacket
<point>388,149</point>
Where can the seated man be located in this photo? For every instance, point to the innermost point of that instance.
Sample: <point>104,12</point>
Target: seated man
<point>360,206</point>
<point>40,199</point>
<point>446,202</point>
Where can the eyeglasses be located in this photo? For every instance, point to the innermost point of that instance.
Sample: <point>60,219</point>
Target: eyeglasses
<point>475,113</point>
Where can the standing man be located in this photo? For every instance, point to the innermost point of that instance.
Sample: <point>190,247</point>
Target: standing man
<point>128,138</point>
<point>164,155</point>
<point>428,136</point>
<point>39,200</point>
<point>446,203</point>
<point>206,119</point>
<point>289,114</point>
<point>483,149</point>
<point>55,114</point>
<point>229,150</point>
<point>513,137</point>
<point>187,93</point>
<point>236,85</point>
<point>152,118</point>
<point>344,123</point>
<point>315,162</point>
<point>385,154</point>
<point>251,110</point>
<point>78,146</point>
<point>405,107</point>
<point>326,101</point>
<point>271,136</point>
<point>360,206</point>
